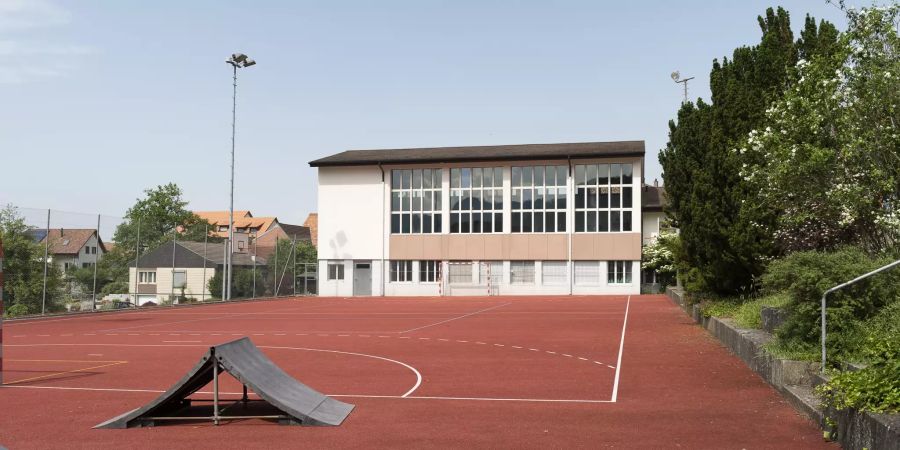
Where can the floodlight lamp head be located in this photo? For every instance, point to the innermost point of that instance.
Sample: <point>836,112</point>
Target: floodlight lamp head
<point>249,62</point>
<point>238,57</point>
<point>676,76</point>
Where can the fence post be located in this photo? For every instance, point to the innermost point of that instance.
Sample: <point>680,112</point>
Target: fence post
<point>172,289</point>
<point>255,255</point>
<point>137,254</point>
<point>1,310</point>
<point>46,255</point>
<point>294,249</point>
<point>96,260</point>
<point>275,273</point>
<point>203,288</point>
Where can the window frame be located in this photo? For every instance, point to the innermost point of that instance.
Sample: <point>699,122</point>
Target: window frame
<point>409,191</point>
<point>338,274</point>
<point>145,276</point>
<point>401,271</point>
<point>619,272</point>
<point>599,202</point>
<point>555,280</point>
<point>465,183</point>
<point>525,183</point>
<point>430,271</point>
<point>515,276</point>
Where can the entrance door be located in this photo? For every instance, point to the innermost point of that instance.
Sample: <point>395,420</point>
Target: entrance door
<point>362,278</point>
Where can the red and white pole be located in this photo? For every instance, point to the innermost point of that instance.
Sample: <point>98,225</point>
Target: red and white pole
<point>1,310</point>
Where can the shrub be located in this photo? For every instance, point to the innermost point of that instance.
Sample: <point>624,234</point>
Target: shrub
<point>874,388</point>
<point>18,309</point>
<point>805,276</point>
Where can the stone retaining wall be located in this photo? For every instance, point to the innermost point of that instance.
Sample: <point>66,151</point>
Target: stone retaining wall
<point>795,380</point>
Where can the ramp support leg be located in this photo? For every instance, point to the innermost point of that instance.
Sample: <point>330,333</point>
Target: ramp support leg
<point>215,387</point>
<point>244,398</point>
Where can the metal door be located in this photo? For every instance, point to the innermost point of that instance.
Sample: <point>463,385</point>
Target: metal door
<point>362,278</point>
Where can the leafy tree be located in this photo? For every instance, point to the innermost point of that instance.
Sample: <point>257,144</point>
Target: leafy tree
<point>659,256</point>
<point>827,156</point>
<point>725,232</point>
<point>23,267</point>
<point>154,217</point>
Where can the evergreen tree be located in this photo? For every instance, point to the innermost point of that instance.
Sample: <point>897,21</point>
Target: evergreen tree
<point>725,231</point>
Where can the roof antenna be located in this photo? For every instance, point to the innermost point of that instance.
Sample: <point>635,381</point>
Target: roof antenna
<point>676,77</point>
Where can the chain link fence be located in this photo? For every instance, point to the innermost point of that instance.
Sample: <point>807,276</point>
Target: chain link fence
<point>62,261</point>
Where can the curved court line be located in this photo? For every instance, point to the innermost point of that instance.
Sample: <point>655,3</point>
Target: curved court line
<point>413,369</point>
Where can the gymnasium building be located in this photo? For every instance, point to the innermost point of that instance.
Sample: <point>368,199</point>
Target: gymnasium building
<point>487,220</point>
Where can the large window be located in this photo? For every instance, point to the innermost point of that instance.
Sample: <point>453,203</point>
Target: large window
<point>336,271</point>
<point>587,273</point>
<point>460,273</point>
<point>553,272</point>
<point>603,197</point>
<point>539,199</point>
<point>429,271</point>
<point>521,272</point>
<point>476,200</point>
<point>618,272</point>
<point>416,201</point>
<point>401,271</point>
<point>179,279</point>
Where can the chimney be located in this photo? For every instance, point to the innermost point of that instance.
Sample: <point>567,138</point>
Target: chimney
<point>655,182</point>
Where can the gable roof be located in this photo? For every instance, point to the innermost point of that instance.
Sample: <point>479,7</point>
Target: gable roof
<point>296,231</point>
<point>653,199</point>
<point>191,255</point>
<point>65,241</point>
<point>482,153</point>
<point>221,216</point>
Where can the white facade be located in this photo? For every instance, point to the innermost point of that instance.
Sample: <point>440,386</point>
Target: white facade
<point>355,235</point>
<point>159,286</point>
<point>652,224</point>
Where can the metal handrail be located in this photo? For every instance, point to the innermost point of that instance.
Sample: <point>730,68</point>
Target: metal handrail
<point>841,286</point>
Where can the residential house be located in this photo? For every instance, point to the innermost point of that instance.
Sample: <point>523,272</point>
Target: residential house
<point>246,227</point>
<point>161,277</point>
<point>491,220</point>
<point>71,248</point>
<point>312,222</point>
<point>264,244</point>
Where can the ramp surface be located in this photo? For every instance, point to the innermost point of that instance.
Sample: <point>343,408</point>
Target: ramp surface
<point>245,362</point>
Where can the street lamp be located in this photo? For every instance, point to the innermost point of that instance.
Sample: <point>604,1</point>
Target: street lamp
<point>237,60</point>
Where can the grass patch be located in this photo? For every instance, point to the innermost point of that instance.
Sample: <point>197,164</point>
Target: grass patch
<point>744,312</point>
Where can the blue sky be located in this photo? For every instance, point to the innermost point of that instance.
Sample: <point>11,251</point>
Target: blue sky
<point>102,99</point>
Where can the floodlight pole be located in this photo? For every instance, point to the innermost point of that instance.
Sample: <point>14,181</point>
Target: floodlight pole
<point>237,60</point>
<point>227,294</point>
<point>684,83</point>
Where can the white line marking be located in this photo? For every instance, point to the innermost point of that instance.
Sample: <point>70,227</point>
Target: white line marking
<point>567,355</point>
<point>406,394</point>
<point>235,334</point>
<point>179,342</point>
<point>462,341</point>
<point>424,339</point>
<point>583,359</point>
<point>498,345</point>
<point>456,318</point>
<point>444,340</point>
<point>481,343</point>
<point>279,334</point>
<point>395,397</point>
<point>404,337</point>
<point>47,335</point>
<point>384,336</point>
<point>516,346</point>
<point>343,335</point>
<point>553,353</point>
<point>615,393</point>
<point>534,349</point>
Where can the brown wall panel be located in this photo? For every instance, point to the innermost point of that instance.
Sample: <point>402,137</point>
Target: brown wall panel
<point>487,247</point>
